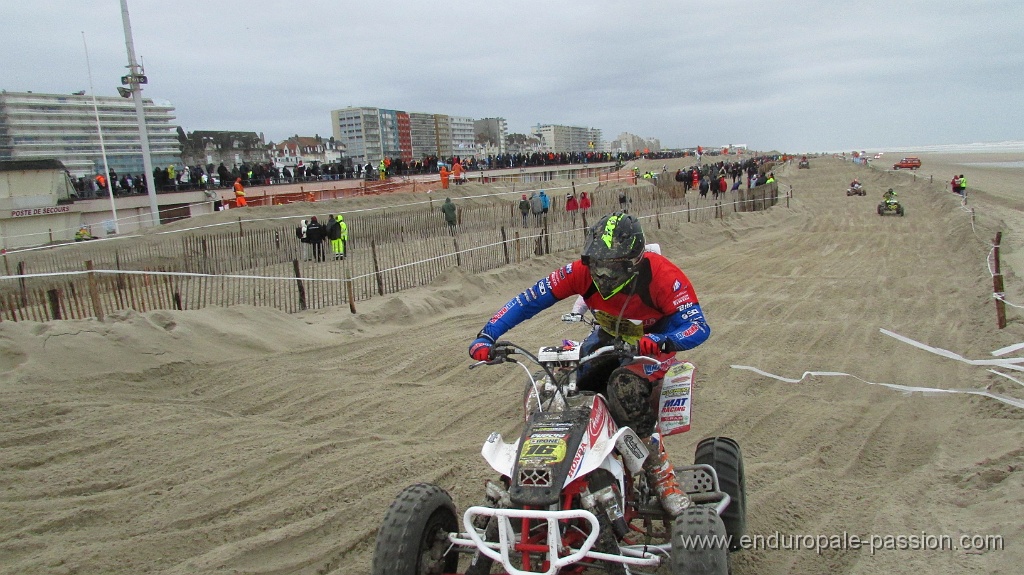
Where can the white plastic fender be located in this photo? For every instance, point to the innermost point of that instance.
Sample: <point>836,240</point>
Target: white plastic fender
<point>499,454</point>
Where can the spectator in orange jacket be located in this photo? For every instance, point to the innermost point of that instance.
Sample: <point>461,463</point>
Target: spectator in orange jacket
<point>239,194</point>
<point>444,177</point>
<point>457,172</point>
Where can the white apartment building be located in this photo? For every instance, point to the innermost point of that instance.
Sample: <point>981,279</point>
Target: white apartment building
<point>63,127</point>
<point>463,136</point>
<point>568,139</point>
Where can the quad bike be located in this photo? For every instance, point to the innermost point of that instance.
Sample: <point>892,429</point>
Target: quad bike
<point>890,206</point>
<point>856,190</point>
<point>572,493</point>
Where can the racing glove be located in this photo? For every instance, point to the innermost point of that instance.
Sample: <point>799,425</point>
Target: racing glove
<point>648,346</point>
<point>480,349</point>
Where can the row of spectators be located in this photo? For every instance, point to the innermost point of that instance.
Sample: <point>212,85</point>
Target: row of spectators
<point>210,176</point>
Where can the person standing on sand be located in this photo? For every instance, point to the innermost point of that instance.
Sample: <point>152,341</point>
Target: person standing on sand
<point>444,177</point>
<point>571,206</point>
<point>524,208</point>
<point>963,185</point>
<point>315,236</point>
<point>337,234</point>
<point>537,207</point>
<point>450,215</point>
<point>239,194</point>
<point>584,202</point>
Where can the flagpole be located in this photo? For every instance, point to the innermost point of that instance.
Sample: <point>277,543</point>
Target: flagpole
<point>103,148</point>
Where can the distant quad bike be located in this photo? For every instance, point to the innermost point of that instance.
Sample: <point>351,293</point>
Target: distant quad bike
<point>571,495</point>
<point>890,206</point>
<point>856,190</point>
<point>804,164</point>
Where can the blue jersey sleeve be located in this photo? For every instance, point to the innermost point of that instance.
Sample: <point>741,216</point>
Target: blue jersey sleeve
<point>529,303</point>
<point>682,330</point>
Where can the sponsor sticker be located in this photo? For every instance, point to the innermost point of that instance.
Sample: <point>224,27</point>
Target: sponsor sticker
<point>545,450</point>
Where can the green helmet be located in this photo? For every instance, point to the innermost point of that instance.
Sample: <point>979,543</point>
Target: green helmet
<point>612,251</point>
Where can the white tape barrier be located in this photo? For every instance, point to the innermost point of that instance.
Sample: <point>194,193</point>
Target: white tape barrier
<point>1010,363</point>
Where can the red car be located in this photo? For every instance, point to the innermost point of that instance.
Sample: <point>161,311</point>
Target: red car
<point>907,164</point>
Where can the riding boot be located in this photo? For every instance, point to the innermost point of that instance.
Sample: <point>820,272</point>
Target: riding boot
<point>662,476</point>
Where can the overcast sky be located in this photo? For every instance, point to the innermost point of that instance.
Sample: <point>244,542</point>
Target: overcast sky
<point>811,75</point>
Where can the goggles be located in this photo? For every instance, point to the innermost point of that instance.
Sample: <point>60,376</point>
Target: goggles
<point>612,268</point>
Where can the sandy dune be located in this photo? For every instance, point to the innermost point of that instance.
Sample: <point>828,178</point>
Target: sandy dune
<point>247,440</point>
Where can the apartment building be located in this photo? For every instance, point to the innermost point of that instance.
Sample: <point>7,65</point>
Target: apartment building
<point>369,134</point>
<point>490,136</point>
<point>63,127</point>
<point>568,139</point>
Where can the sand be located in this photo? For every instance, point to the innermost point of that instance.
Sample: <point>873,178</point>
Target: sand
<point>247,440</point>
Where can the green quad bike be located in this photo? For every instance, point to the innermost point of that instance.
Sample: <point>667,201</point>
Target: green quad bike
<point>890,206</point>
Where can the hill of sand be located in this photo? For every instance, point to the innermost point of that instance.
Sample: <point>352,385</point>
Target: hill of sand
<point>246,440</point>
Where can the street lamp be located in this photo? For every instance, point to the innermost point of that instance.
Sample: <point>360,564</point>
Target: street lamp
<point>134,79</point>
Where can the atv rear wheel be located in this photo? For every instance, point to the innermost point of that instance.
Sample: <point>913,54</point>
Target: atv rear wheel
<point>698,543</point>
<point>413,539</point>
<point>724,455</point>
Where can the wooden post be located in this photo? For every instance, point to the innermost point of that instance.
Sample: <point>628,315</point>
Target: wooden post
<point>504,245</point>
<point>997,284</point>
<point>351,291</point>
<point>94,293</point>
<point>22,285</point>
<point>458,256</point>
<point>546,236</point>
<point>241,234</point>
<point>376,267</point>
<point>302,286</point>
<point>53,297</point>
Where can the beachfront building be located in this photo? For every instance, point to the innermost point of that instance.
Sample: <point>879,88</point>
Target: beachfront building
<point>206,147</point>
<point>489,134</point>
<point>369,134</point>
<point>463,136</point>
<point>627,143</point>
<point>305,150</point>
<point>568,139</point>
<point>63,127</point>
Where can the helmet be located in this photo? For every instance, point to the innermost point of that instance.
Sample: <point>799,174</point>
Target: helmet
<point>613,250</point>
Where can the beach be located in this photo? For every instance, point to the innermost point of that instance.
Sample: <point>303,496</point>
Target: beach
<point>250,441</point>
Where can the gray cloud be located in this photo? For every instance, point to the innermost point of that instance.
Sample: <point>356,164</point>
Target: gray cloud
<point>799,76</point>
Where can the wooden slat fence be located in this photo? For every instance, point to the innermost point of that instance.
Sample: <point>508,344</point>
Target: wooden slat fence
<point>390,250</point>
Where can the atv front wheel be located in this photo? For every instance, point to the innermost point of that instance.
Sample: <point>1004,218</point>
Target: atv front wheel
<point>699,543</point>
<point>723,454</point>
<point>413,539</point>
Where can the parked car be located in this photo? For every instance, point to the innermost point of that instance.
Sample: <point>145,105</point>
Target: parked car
<point>907,164</point>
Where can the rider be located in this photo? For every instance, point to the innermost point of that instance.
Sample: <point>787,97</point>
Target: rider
<point>855,183</point>
<point>641,296</point>
<point>889,196</point>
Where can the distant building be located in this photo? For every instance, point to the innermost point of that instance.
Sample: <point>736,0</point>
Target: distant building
<point>63,127</point>
<point>305,149</point>
<point>568,139</point>
<point>370,134</point>
<point>489,134</point>
<point>202,148</point>
<point>627,143</point>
